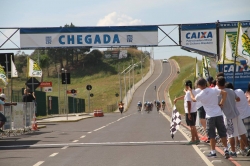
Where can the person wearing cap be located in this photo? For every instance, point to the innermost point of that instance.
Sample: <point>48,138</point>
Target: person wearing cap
<point>2,117</point>
<point>190,112</point>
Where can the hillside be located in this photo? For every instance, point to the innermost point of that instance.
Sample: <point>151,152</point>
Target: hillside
<point>99,72</point>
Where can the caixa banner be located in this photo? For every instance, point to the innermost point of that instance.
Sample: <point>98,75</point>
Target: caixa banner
<point>199,36</point>
<point>89,36</point>
<point>241,78</point>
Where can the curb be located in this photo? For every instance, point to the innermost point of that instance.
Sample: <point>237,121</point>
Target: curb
<point>66,120</point>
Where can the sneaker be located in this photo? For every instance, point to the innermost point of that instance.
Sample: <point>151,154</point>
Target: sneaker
<point>207,141</point>
<point>241,152</point>
<point>233,154</point>
<point>203,138</point>
<point>247,151</point>
<point>211,155</point>
<point>197,142</point>
<point>226,155</point>
<point>191,143</point>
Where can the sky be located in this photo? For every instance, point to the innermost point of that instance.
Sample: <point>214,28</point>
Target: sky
<point>55,13</point>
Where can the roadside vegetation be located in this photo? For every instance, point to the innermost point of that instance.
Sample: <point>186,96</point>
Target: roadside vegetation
<point>86,68</point>
<point>187,67</point>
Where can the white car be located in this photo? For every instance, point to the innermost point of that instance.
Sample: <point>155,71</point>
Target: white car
<point>164,61</point>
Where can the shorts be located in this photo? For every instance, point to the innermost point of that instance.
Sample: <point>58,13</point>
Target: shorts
<point>218,123</point>
<point>202,113</point>
<point>246,122</point>
<point>238,127</point>
<point>2,118</point>
<point>193,119</point>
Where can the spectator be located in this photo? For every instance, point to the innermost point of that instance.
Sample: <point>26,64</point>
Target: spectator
<point>248,93</point>
<point>210,80</point>
<point>209,99</point>
<point>191,112</point>
<point>244,110</point>
<point>28,97</point>
<point>2,117</point>
<point>235,126</point>
<point>201,114</point>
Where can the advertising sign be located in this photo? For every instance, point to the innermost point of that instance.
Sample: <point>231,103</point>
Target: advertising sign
<point>199,36</point>
<point>115,54</point>
<point>89,36</point>
<point>45,84</point>
<point>242,75</point>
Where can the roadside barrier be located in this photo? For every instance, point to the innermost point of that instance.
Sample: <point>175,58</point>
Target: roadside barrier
<point>98,113</point>
<point>20,119</point>
<point>34,123</point>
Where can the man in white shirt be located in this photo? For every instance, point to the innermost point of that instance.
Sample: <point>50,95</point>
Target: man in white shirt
<point>244,110</point>
<point>191,112</point>
<point>209,99</point>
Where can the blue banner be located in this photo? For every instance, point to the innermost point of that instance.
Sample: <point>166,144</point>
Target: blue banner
<point>241,77</point>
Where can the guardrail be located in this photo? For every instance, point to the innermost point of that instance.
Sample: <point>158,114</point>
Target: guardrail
<point>19,118</point>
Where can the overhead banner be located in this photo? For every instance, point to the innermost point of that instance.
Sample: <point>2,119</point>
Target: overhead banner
<point>199,37</point>
<point>89,36</point>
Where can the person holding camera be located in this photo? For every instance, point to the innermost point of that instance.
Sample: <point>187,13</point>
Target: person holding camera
<point>28,96</point>
<point>190,112</point>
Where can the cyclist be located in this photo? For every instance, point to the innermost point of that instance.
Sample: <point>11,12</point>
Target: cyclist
<point>155,87</point>
<point>155,102</point>
<point>158,105</point>
<point>139,105</point>
<point>149,106</point>
<point>121,106</point>
<point>163,105</point>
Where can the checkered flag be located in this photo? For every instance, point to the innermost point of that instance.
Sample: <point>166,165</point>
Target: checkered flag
<point>175,122</point>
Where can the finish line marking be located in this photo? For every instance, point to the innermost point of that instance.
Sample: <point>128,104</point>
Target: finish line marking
<point>102,143</point>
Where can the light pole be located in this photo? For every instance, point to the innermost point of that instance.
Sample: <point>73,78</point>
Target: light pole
<point>58,89</point>
<point>65,99</point>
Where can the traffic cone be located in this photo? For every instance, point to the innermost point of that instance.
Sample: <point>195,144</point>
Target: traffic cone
<point>34,124</point>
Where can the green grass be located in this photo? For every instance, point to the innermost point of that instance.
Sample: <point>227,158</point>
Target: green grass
<point>187,67</point>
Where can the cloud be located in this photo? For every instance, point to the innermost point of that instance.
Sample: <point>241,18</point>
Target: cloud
<point>117,19</point>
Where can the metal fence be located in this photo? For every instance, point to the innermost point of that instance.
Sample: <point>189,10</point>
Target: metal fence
<point>19,118</point>
<point>112,108</point>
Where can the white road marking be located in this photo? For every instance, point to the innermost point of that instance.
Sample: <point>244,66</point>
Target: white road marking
<point>65,147</point>
<point>75,141</point>
<point>54,154</point>
<point>99,128</point>
<point>89,132</point>
<point>205,159</point>
<point>38,163</point>
<point>100,143</point>
<point>83,136</point>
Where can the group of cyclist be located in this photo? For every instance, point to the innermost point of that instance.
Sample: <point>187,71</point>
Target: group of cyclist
<point>148,105</point>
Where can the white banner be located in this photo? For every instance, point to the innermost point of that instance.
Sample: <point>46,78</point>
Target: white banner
<point>89,36</point>
<point>231,32</point>
<point>199,36</point>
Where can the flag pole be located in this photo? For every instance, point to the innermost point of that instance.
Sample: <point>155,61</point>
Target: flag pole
<point>224,51</point>
<point>236,51</point>
<point>7,73</point>
<point>207,66</point>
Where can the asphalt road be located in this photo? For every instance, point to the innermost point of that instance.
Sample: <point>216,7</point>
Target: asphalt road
<point>131,139</point>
